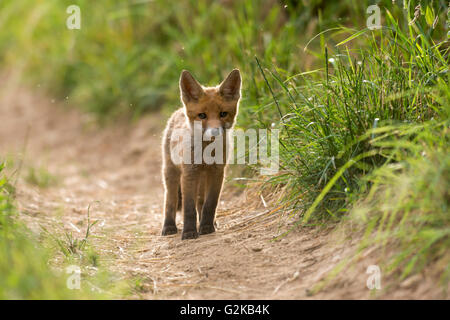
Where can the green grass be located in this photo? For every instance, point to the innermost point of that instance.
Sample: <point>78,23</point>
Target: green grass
<point>407,202</point>
<point>70,245</point>
<point>41,177</point>
<point>23,263</point>
<point>28,264</point>
<point>330,122</point>
<point>365,139</point>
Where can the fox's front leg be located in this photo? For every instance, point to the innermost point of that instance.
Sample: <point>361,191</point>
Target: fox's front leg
<point>214,180</point>
<point>189,182</point>
<point>171,184</point>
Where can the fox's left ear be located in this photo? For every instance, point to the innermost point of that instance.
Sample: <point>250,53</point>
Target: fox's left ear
<point>230,88</point>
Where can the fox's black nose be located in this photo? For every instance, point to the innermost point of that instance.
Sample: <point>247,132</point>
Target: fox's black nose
<point>215,132</point>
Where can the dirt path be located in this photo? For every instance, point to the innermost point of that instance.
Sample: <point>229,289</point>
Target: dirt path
<point>119,167</point>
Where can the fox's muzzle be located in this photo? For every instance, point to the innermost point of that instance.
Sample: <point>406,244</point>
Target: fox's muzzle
<point>213,132</point>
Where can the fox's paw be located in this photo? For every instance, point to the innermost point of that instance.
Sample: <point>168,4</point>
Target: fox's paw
<point>168,230</point>
<point>189,235</point>
<point>209,228</point>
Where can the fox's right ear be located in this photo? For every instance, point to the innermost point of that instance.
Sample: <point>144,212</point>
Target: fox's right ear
<point>190,89</point>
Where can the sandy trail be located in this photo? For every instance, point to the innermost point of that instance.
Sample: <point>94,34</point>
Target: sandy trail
<point>119,166</point>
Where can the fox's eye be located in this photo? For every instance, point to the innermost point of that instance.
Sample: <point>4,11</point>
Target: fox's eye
<point>223,114</point>
<point>202,115</point>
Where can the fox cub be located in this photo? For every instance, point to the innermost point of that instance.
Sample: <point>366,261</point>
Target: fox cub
<point>195,185</point>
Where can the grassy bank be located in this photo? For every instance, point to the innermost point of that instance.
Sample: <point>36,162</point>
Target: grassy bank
<point>366,139</point>
<point>23,263</point>
<point>44,265</point>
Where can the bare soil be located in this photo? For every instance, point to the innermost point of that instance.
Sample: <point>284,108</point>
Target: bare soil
<point>116,170</point>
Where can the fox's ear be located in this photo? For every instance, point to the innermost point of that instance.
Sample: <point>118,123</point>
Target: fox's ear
<point>190,89</point>
<point>230,88</point>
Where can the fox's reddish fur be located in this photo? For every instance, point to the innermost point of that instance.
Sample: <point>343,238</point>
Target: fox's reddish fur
<point>196,187</point>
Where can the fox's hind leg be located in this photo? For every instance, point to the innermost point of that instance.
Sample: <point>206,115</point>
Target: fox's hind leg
<point>171,200</point>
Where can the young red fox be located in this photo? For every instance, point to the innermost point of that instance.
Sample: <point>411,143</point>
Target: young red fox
<point>196,185</point>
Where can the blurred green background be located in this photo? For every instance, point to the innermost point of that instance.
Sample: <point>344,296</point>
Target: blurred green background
<point>127,56</point>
